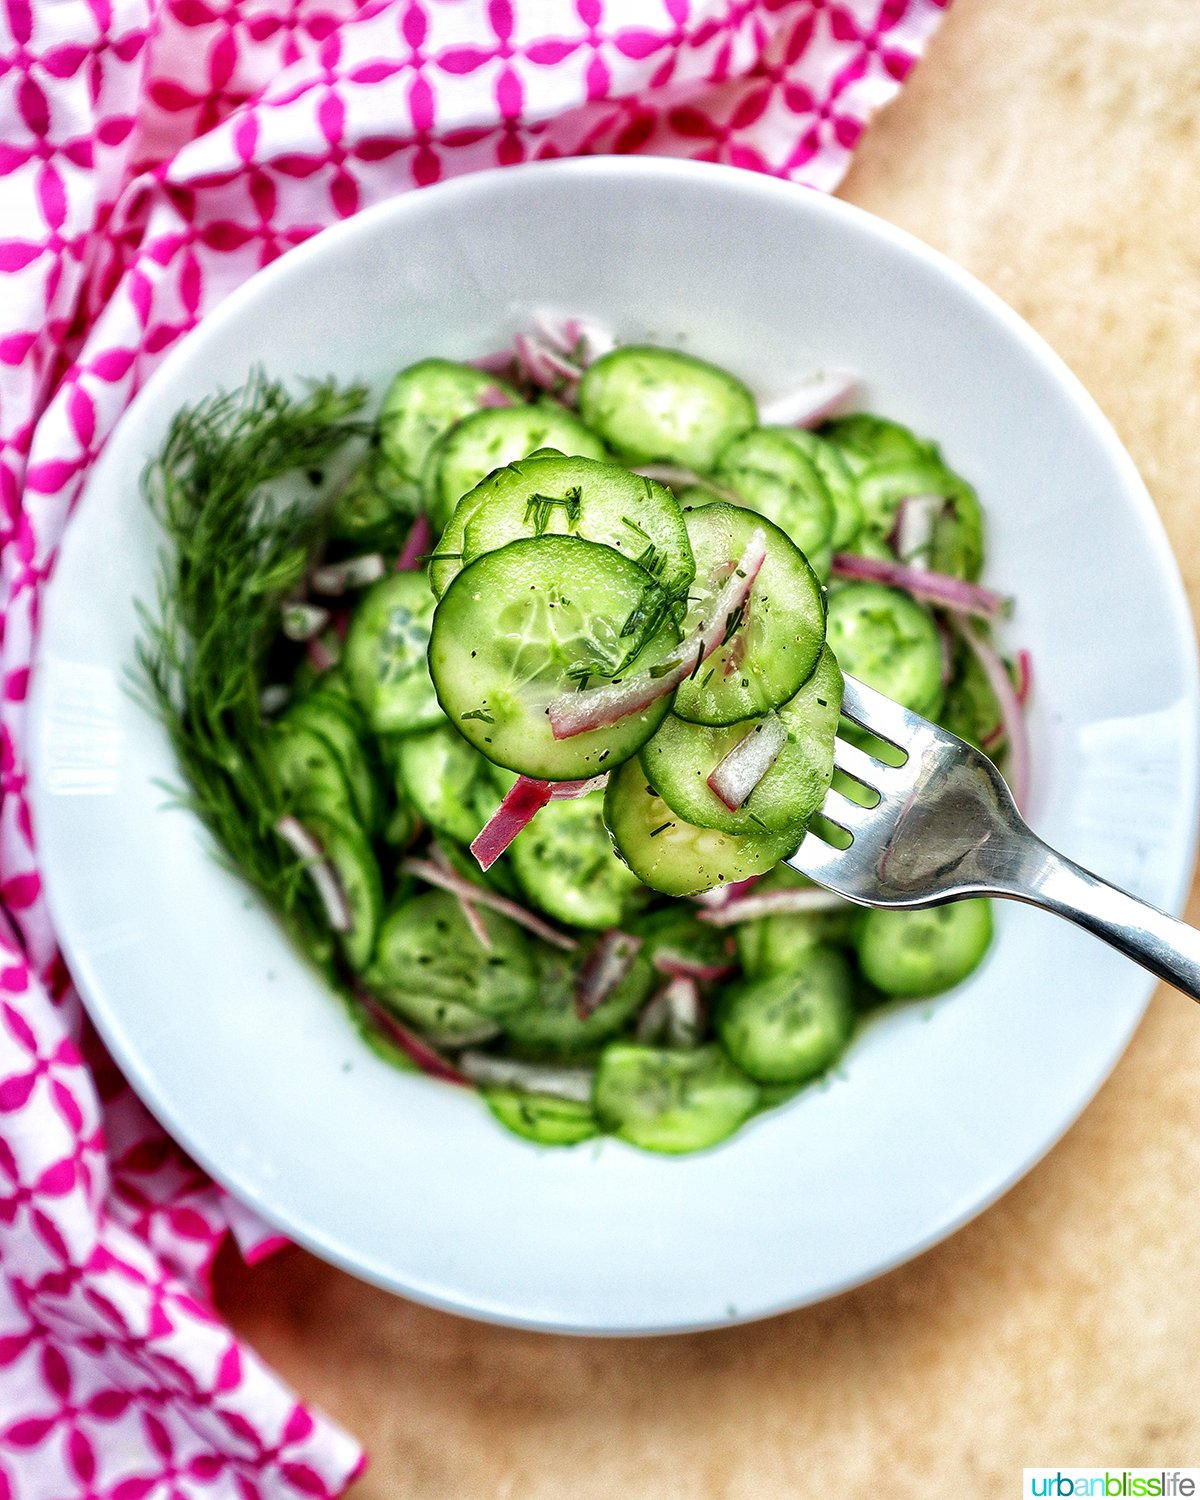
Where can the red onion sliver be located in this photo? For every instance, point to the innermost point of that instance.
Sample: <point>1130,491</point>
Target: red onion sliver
<point>597,708</point>
<point>427,1058</point>
<point>523,800</point>
<point>1011,717</point>
<point>353,573</point>
<point>416,545</point>
<point>916,522</point>
<point>812,402</point>
<point>748,762</point>
<point>567,791</point>
<point>499,363</point>
<point>574,1084</point>
<point>941,589</point>
<point>605,967</point>
<point>448,880</point>
<point>676,966</point>
<point>771,904</point>
<point>470,912</point>
<point>1024,677</point>
<point>674,1015</point>
<point>492,397</point>
<point>321,653</point>
<point>319,870</point>
<point>722,895</point>
<point>300,622</point>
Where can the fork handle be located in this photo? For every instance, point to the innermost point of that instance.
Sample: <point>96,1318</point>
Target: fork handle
<point>1165,946</point>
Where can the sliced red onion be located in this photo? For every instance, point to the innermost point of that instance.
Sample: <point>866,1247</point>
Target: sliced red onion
<point>574,1084</point>
<point>468,908</point>
<point>323,652</point>
<point>605,967</point>
<point>579,338</point>
<point>416,545</point>
<point>596,708</point>
<point>1024,677</point>
<point>427,1058</point>
<point>748,762</point>
<point>523,800</point>
<point>498,363</point>
<point>1011,718</point>
<point>916,523</point>
<point>353,573</point>
<point>993,739</point>
<point>568,791</point>
<point>319,870</point>
<point>722,895</point>
<point>812,402</point>
<point>941,589</point>
<point>542,365</point>
<point>274,698</point>
<point>492,398</point>
<point>771,904</point>
<point>452,881</point>
<point>675,1015</point>
<point>677,966</point>
<point>300,622</point>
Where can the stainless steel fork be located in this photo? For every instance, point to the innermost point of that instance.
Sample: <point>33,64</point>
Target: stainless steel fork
<point>946,826</point>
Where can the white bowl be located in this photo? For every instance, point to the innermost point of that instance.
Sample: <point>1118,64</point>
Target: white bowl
<point>233,1043</point>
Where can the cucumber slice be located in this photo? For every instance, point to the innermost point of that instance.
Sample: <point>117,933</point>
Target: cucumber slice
<point>890,641</point>
<point>971,709</point>
<point>772,945</point>
<point>864,439</point>
<point>882,486</point>
<point>671,1102</point>
<point>427,952</point>
<point>438,772</point>
<point>775,478</point>
<point>674,932</point>
<point>385,655</point>
<point>336,718</point>
<point>790,1026</point>
<point>830,464</point>
<point>552,1026</point>
<point>310,771</point>
<point>765,661</point>
<point>426,400</point>
<point>491,439</point>
<point>445,1023</point>
<point>674,856</point>
<point>515,629</point>
<point>657,405</point>
<point>681,756</point>
<point>541,1118</point>
<point>924,952</point>
<point>601,502</point>
<point>375,505</point>
<point>958,535</point>
<point>566,866</point>
<point>347,849</point>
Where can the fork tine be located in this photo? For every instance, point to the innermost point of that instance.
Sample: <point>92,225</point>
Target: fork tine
<point>879,715</point>
<point>851,816</point>
<point>821,862</point>
<point>864,768</point>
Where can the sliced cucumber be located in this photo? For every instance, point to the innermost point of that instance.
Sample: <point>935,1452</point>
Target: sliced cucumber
<point>958,536</point>
<point>771,945</point>
<point>347,849</point>
<point>375,505</point>
<point>439,774</point>
<point>310,771</point>
<point>924,952</point>
<point>553,1026</point>
<point>541,1118</point>
<point>673,932</point>
<point>385,656</point>
<point>830,464</point>
<point>776,648</point>
<point>971,709</point>
<point>566,866</point>
<point>601,502</point>
<point>864,439</point>
<point>681,756</point>
<point>657,405</point>
<point>778,480</point>
<point>670,1101</point>
<point>445,1023</point>
<point>890,641</point>
<point>488,440</point>
<point>427,952</point>
<point>790,1026</point>
<point>338,720</point>
<point>426,400</point>
<point>674,856</point>
<point>522,625</point>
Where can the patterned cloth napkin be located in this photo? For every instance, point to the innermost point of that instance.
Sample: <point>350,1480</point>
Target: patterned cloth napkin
<point>154,154</point>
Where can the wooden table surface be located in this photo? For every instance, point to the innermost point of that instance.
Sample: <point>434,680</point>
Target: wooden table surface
<point>1053,148</point>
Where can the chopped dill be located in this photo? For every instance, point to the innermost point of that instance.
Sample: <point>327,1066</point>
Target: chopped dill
<point>478,713</point>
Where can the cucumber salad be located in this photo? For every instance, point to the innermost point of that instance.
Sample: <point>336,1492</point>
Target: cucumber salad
<point>511,699</point>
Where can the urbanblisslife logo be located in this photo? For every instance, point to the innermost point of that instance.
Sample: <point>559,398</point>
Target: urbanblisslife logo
<point>1114,1484</point>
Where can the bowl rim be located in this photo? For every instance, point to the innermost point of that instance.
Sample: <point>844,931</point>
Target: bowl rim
<point>335,240</point>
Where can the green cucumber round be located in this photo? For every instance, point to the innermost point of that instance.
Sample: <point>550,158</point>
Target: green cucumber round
<point>385,655</point>
<point>790,1026</point>
<point>565,864</point>
<point>890,641</point>
<point>669,1101</point>
<point>911,953</point>
<point>768,470</point>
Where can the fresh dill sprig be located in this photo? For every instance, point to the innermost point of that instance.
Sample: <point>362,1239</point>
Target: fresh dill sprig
<point>233,554</point>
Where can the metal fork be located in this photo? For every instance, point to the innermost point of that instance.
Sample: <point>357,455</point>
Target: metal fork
<point>946,826</point>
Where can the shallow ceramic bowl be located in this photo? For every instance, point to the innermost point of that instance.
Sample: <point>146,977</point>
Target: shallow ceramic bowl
<point>939,1108</point>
